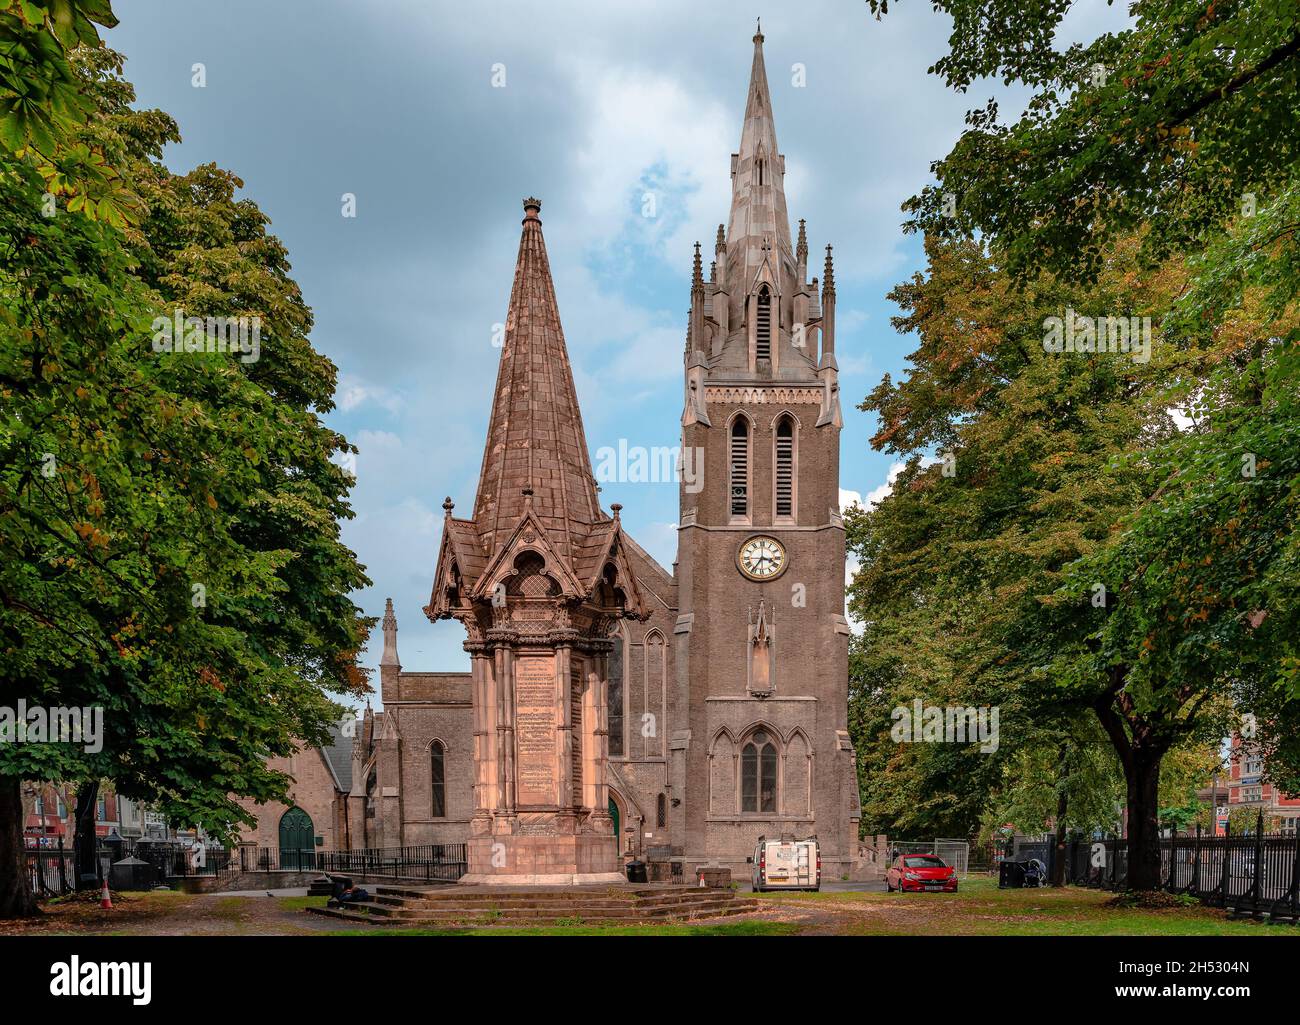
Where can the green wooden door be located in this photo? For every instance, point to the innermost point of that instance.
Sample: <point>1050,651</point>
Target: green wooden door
<point>297,841</point>
<point>618,841</point>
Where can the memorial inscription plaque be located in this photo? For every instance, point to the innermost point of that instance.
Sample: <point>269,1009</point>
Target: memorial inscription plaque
<point>535,729</point>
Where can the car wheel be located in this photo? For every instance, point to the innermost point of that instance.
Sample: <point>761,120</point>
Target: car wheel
<point>889,886</point>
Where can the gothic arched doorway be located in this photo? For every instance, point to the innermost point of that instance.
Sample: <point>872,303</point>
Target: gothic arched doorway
<point>297,840</point>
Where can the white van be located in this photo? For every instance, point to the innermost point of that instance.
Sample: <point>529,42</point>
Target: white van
<point>787,864</point>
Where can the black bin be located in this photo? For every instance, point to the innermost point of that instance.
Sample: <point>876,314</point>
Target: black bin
<point>636,871</point>
<point>1011,875</point>
<point>132,874</point>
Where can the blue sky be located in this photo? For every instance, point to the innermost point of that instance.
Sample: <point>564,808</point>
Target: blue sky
<point>393,102</point>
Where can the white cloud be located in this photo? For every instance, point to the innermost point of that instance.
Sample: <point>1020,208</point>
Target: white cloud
<point>353,393</point>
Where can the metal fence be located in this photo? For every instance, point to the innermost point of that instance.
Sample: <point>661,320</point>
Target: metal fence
<point>444,862</point>
<point>1250,874</point>
<point>52,871</point>
<point>49,871</point>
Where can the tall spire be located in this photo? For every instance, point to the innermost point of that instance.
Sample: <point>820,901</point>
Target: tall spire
<point>535,441</point>
<point>759,222</point>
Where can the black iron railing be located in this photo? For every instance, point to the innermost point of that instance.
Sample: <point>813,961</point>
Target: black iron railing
<point>51,871</point>
<point>444,862</point>
<point>1250,874</point>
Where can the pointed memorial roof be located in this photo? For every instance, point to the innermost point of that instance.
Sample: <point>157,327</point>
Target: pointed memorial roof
<point>535,440</point>
<point>536,489</point>
<point>759,226</point>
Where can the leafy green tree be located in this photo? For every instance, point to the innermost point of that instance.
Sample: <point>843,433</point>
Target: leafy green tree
<point>1180,131</point>
<point>169,542</point>
<point>1032,477</point>
<point>42,106</point>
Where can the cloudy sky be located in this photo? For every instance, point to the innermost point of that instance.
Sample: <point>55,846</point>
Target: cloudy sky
<point>394,102</point>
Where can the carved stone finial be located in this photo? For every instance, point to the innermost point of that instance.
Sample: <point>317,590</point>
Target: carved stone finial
<point>389,657</point>
<point>448,505</point>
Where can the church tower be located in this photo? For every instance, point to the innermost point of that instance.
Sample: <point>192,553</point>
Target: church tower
<point>761,636</point>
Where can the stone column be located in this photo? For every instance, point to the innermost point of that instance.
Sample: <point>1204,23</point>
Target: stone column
<point>485,734</point>
<point>564,728</point>
<point>506,728</point>
<point>599,676</point>
<point>590,725</point>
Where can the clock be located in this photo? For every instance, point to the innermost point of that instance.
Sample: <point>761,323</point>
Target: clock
<point>761,558</point>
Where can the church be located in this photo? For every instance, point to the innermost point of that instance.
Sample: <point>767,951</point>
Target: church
<point>617,708</point>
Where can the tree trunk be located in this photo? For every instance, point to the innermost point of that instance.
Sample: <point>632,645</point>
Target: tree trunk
<point>1142,775</point>
<point>16,898</point>
<point>1140,751</point>
<point>83,845</point>
<point>1058,865</point>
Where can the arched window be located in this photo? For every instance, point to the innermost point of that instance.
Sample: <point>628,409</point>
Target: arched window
<point>615,718</point>
<point>758,774</point>
<point>785,466</point>
<point>763,331</point>
<point>740,467</point>
<point>661,811</point>
<point>438,778</point>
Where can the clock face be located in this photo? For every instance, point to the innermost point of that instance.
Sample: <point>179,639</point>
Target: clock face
<point>761,558</point>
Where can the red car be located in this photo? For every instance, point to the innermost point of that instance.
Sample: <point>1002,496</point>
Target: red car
<point>920,872</point>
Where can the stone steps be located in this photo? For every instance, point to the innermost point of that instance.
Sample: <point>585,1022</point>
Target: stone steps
<point>480,918</point>
<point>506,901</point>
<point>517,910</point>
<point>393,905</point>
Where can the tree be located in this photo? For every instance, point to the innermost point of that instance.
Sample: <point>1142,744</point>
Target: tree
<point>42,106</point>
<point>1034,477</point>
<point>1179,131</point>
<point>169,544</point>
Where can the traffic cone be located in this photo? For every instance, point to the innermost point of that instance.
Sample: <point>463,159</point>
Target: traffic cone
<point>105,901</point>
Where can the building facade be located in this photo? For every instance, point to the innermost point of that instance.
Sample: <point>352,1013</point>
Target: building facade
<point>1247,788</point>
<point>717,689</point>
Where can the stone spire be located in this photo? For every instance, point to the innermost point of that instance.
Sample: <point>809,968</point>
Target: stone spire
<point>389,657</point>
<point>759,222</point>
<point>535,439</point>
<point>720,257</point>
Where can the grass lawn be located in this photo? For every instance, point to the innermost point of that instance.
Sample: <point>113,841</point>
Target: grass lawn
<point>981,909</point>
